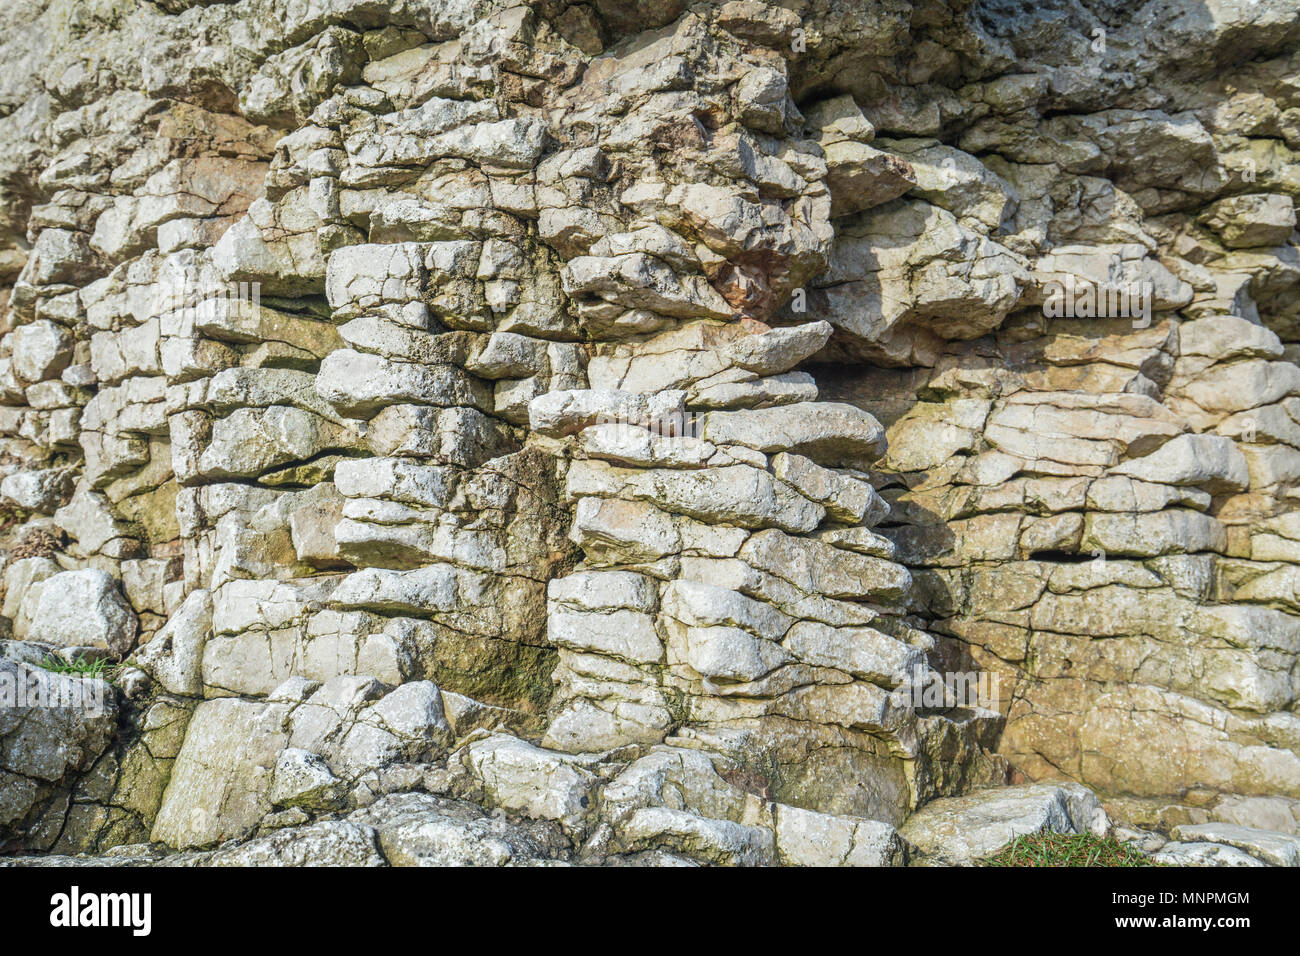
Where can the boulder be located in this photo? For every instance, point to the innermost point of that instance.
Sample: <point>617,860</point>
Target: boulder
<point>84,609</point>
<point>959,831</point>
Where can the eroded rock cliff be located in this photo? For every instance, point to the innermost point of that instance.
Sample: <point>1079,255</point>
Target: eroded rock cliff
<point>602,431</point>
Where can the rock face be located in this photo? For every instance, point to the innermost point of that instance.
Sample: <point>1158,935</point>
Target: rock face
<point>52,727</point>
<point>741,434</point>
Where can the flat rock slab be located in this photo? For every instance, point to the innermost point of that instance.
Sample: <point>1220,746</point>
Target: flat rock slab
<point>1270,846</point>
<point>1204,854</point>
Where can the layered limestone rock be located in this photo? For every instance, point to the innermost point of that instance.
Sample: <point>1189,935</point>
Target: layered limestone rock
<point>629,422</point>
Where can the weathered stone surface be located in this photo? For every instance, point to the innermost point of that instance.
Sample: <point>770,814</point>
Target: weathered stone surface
<point>84,609</point>
<point>359,385</point>
<point>828,434</point>
<point>909,276</point>
<point>1203,854</point>
<point>303,779</point>
<point>332,843</point>
<point>565,412</point>
<point>1206,461</point>
<point>804,838</point>
<point>713,841</point>
<point>652,434</point>
<point>51,727</point>
<point>174,656</point>
<point>1253,220</point>
<point>1273,848</point>
<point>233,767</point>
<point>861,176</point>
<point>222,778</point>
<point>40,350</point>
<point>43,491</point>
<point>525,779</point>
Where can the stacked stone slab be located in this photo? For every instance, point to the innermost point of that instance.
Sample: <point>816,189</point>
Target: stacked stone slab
<point>1094,506</point>
<point>98,334</point>
<point>1119,555</point>
<point>733,597</point>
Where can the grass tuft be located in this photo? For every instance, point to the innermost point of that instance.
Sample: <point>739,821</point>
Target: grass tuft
<point>1067,849</point>
<point>81,666</point>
